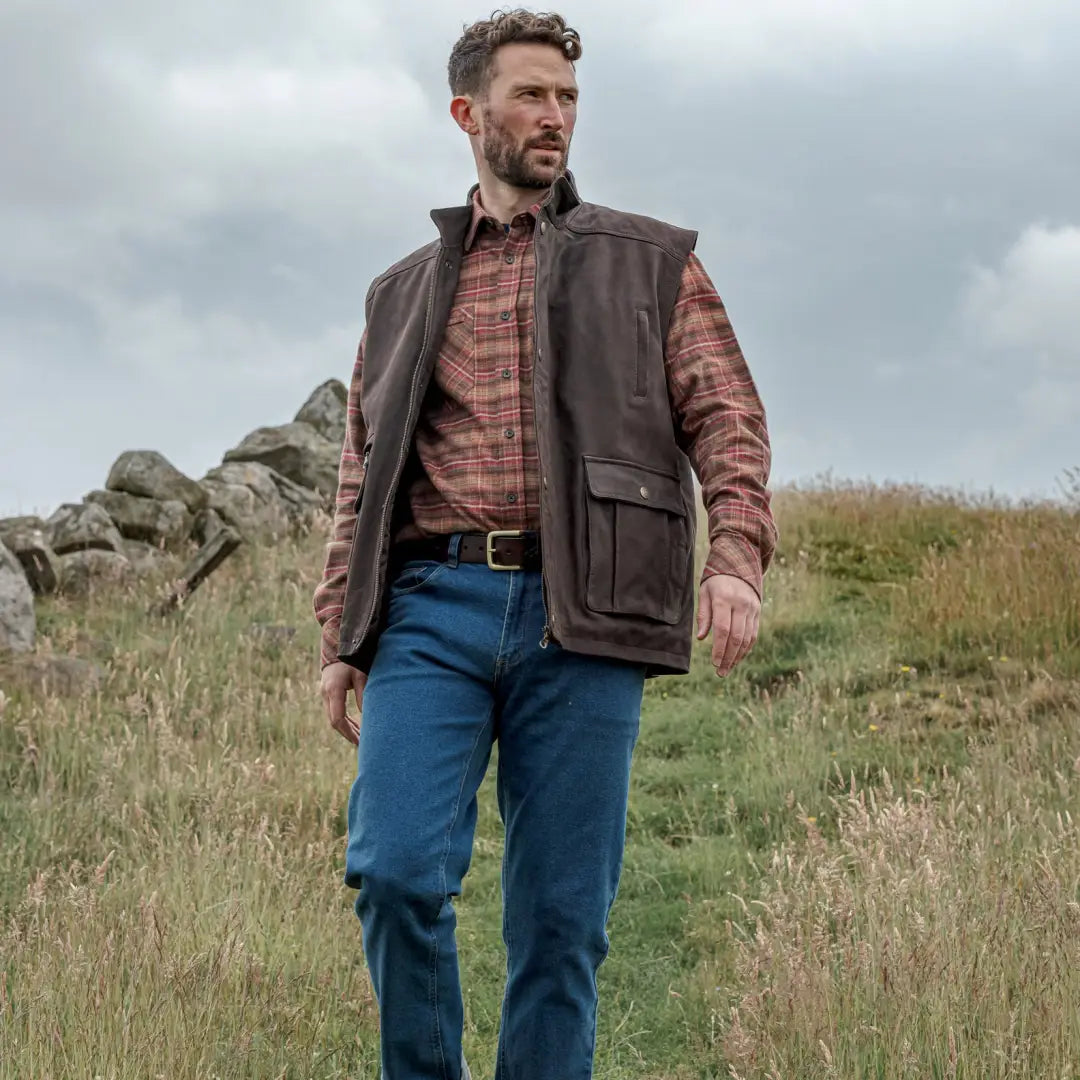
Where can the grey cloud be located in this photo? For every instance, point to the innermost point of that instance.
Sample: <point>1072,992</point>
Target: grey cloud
<point>199,197</point>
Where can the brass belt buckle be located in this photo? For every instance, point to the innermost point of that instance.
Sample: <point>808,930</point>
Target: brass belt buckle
<point>491,538</point>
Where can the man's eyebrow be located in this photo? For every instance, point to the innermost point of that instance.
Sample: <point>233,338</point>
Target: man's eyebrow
<point>515,87</point>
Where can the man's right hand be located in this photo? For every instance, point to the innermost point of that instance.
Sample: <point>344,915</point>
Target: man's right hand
<point>337,680</point>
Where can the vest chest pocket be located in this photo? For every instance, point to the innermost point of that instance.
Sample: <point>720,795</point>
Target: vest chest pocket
<point>638,540</point>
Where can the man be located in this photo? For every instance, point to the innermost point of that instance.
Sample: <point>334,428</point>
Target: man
<point>513,555</point>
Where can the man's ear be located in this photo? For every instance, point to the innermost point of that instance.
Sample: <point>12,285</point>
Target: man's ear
<point>466,114</point>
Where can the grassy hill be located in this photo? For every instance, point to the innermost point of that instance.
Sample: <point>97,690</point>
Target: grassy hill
<point>858,856</point>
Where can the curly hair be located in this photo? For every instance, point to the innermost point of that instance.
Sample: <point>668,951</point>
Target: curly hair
<point>472,59</point>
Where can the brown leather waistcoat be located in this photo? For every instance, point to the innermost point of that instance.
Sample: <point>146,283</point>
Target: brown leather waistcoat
<point>618,509</point>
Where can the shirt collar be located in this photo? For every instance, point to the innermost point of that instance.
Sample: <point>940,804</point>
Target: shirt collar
<point>479,214</point>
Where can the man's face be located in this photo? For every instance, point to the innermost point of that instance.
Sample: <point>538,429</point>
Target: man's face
<point>529,115</point>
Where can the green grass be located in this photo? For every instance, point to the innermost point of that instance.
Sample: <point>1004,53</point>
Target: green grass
<point>855,857</point>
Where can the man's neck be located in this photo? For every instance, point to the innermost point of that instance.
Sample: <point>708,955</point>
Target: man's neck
<point>504,202</point>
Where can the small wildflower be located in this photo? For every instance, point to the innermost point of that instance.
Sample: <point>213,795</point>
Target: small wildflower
<point>872,727</point>
<point>905,667</point>
<point>1003,659</point>
<point>811,821</point>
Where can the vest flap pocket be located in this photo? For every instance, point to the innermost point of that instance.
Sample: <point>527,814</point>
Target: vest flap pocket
<point>637,540</point>
<point>626,482</point>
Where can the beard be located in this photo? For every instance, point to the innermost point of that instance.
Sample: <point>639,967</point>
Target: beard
<point>510,162</point>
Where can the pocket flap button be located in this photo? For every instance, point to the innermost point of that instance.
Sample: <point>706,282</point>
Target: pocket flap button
<point>644,491</point>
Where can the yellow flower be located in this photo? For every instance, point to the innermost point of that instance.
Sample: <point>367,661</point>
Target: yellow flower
<point>873,727</point>
<point>811,820</point>
<point>905,667</point>
<point>1003,659</point>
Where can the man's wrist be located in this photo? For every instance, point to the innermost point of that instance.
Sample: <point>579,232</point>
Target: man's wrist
<point>732,554</point>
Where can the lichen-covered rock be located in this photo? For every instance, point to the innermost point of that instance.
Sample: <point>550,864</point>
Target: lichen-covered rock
<point>82,571</point>
<point>207,525</point>
<point>295,450</point>
<point>18,622</point>
<point>150,474</point>
<point>65,676</point>
<point>31,547</point>
<point>270,486</point>
<point>240,506</point>
<point>145,558</point>
<point>326,411</point>
<point>138,517</point>
<point>19,524</point>
<point>82,527</point>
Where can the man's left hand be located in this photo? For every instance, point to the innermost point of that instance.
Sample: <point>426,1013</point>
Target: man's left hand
<point>731,609</point>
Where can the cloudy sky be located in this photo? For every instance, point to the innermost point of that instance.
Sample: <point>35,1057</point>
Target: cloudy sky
<point>194,197</point>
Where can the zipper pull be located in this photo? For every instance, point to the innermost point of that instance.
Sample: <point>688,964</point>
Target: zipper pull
<point>546,637</point>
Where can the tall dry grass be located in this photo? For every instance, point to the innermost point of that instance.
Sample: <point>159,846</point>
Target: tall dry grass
<point>937,935</point>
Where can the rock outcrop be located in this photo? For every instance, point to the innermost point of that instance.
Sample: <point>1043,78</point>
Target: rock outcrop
<point>82,527</point>
<point>161,522</point>
<point>296,451</point>
<point>30,545</point>
<point>82,571</point>
<point>326,411</point>
<point>152,475</point>
<point>18,623</point>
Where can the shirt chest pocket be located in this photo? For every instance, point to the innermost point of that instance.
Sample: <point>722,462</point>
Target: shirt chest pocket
<point>455,369</point>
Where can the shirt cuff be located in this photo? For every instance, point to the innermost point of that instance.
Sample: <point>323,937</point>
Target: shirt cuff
<point>328,652</point>
<point>730,553</point>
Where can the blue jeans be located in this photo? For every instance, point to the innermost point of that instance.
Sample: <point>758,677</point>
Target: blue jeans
<point>458,666</point>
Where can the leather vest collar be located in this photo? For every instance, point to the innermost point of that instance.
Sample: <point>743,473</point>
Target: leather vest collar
<point>453,221</point>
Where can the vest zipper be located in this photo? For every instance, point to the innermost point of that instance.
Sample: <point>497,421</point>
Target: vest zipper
<point>383,523</point>
<point>549,618</point>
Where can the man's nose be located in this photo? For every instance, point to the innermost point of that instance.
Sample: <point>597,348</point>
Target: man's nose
<point>552,120</point>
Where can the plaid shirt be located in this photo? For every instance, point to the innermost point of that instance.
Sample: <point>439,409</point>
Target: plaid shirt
<point>476,438</point>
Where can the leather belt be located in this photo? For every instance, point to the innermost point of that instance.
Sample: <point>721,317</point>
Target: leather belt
<point>501,549</point>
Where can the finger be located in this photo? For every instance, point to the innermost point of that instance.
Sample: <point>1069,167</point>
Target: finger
<point>350,729</point>
<point>748,640</point>
<point>721,631</point>
<point>736,636</point>
<point>704,617</point>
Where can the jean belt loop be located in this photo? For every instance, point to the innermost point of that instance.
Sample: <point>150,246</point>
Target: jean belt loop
<point>453,550</point>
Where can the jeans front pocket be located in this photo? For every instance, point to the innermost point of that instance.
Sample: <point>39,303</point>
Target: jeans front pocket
<point>415,574</point>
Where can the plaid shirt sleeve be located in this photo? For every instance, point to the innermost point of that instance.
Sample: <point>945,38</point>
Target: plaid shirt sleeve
<point>330,594</point>
<point>720,423</point>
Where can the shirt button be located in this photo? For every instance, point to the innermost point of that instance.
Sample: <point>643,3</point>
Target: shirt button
<point>511,498</point>
<point>509,258</point>
<point>506,373</point>
<point>509,432</point>
<point>543,227</point>
<point>504,315</point>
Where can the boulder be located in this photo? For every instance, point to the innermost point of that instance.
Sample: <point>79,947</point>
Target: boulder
<point>245,510</point>
<point>31,547</point>
<point>148,473</point>
<point>270,486</point>
<point>297,451</point>
<point>157,521</point>
<point>145,558</point>
<point>326,410</point>
<point>82,571</point>
<point>66,676</point>
<point>19,524</point>
<point>300,502</point>
<point>18,622</point>
<point>82,527</point>
<point>207,525</point>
